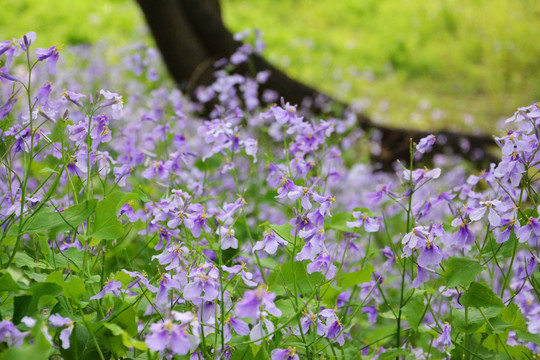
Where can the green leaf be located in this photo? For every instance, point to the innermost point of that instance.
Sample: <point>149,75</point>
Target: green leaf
<point>127,340</point>
<point>330,293</point>
<point>394,353</point>
<point>461,271</point>
<point>27,305</point>
<point>474,321</point>
<point>83,346</point>
<point>284,232</point>
<point>414,310</point>
<point>358,277</point>
<point>480,296</point>
<point>22,259</point>
<point>8,284</point>
<point>106,224</point>
<point>48,219</point>
<point>70,258</point>
<point>282,279</point>
<point>339,222</point>
<point>527,336</point>
<point>74,289</point>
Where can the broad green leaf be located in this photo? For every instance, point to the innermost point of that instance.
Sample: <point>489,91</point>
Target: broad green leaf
<point>461,271</point>
<point>73,289</point>
<point>71,258</point>
<point>83,346</point>
<point>330,293</point>
<point>512,315</point>
<point>22,259</point>
<point>358,277</point>
<point>8,284</point>
<point>480,296</point>
<point>106,224</point>
<point>527,336</point>
<point>501,251</point>
<point>414,310</point>
<point>27,305</point>
<point>127,340</point>
<point>339,222</point>
<point>48,219</point>
<point>474,319</point>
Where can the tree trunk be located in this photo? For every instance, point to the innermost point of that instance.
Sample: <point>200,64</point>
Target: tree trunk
<point>191,36</point>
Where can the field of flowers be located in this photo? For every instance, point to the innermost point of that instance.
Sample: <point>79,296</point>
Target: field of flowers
<point>139,224</point>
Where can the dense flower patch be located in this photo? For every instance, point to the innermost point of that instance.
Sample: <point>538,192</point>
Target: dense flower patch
<point>144,225</point>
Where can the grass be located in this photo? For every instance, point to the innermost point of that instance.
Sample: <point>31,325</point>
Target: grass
<point>430,64</point>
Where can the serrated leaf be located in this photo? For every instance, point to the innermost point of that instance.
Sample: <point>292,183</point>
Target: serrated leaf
<point>480,296</point>
<point>461,271</point>
<point>474,319</point>
<point>527,336</point>
<point>24,260</point>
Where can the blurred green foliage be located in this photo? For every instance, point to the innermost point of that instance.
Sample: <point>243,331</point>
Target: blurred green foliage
<point>439,63</point>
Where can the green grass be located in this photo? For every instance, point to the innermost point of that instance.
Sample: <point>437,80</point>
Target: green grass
<point>473,57</point>
<point>408,59</point>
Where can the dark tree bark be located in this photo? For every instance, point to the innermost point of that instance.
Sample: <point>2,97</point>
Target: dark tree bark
<point>191,36</point>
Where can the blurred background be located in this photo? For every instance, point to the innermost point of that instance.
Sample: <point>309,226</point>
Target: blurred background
<point>461,65</point>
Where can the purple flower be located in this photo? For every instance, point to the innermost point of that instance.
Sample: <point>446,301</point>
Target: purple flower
<point>285,354</point>
<point>524,233</point>
<point>115,101</point>
<point>261,329</point>
<point>239,326</point>
<point>323,264</point>
<point>10,334</point>
<point>51,55</point>
<point>430,254</point>
<point>199,218</point>
<point>227,239</point>
<point>234,270</point>
<point>444,341</point>
<point>425,144</point>
<point>204,279</point>
<point>511,225</point>
<point>169,335</point>
<point>255,301</point>
<point>489,206</point>
<point>59,321</point>
<point>370,224</point>
<point>6,108</point>
<point>113,287</point>
<point>270,242</point>
<point>27,40</point>
<point>464,236</point>
<point>421,277</point>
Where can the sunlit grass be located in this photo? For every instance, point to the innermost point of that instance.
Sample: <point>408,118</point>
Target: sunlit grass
<point>416,63</point>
